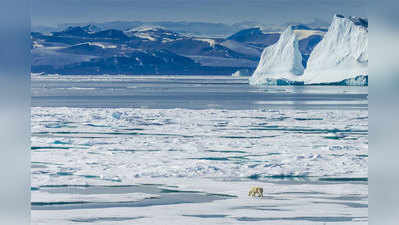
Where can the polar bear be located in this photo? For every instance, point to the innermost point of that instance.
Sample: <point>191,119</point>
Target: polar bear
<point>256,191</point>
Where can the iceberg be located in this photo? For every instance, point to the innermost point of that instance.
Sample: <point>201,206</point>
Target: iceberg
<point>341,57</point>
<point>236,74</point>
<point>240,73</point>
<point>281,63</point>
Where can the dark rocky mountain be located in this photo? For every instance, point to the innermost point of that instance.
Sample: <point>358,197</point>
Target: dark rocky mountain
<point>360,21</point>
<point>193,28</point>
<point>255,37</point>
<point>306,46</point>
<point>138,63</point>
<point>305,27</point>
<point>148,50</point>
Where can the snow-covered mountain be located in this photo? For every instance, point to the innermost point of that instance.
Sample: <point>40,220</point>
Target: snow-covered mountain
<point>279,62</point>
<point>143,50</point>
<point>93,50</point>
<point>153,34</point>
<point>342,54</point>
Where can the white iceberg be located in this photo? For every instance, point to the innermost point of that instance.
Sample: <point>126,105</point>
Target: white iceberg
<point>341,57</point>
<point>236,74</point>
<point>241,73</point>
<point>281,62</point>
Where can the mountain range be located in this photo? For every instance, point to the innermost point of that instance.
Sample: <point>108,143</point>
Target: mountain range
<point>91,49</point>
<point>205,29</point>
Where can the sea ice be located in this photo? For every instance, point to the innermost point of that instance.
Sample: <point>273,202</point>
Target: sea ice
<point>285,151</point>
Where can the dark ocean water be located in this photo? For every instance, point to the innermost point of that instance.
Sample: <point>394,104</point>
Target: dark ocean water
<point>188,92</point>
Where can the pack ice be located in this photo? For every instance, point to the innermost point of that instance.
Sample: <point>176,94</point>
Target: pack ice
<point>281,62</point>
<point>342,54</point>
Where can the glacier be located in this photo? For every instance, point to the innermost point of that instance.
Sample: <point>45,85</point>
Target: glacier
<point>280,63</point>
<point>342,54</point>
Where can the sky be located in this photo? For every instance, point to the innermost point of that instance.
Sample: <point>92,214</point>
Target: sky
<point>53,12</point>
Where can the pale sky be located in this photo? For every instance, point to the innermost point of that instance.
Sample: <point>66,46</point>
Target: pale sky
<point>52,12</point>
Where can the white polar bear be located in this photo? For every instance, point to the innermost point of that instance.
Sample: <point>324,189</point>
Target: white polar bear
<point>256,191</point>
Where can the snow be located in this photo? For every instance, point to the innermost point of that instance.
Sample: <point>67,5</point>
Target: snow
<point>120,145</point>
<point>302,34</point>
<point>174,148</point>
<point>279,61</point>
<point>37,45</point>
<point>340,58</point>
<point>282,201</point>
<point>144,29</point>
<point>341,55</point>
<point>236,74</point>
<point>131,146</point>
<point>145,36</point>
<point>142,32</point>
<point>98,44</point>
<point>241,48</point>
<point>155,33</point>
<point>45,197</point>
<point>101,45</point>
<point>211,42</point>
<point>241,73</point>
